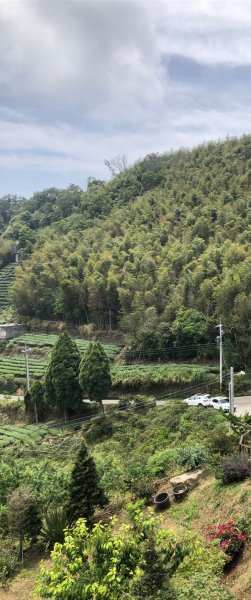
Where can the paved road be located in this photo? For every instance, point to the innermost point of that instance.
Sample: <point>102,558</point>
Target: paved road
<point>243,403</point>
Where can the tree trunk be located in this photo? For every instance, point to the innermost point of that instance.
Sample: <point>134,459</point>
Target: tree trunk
<point>35,411</point>
<point>21,546</point>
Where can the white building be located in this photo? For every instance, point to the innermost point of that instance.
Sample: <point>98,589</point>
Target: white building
<point>10,330</point>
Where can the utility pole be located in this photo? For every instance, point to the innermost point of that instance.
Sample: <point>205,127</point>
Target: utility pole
<point>231,391</point>
<point>26,352</point>
<point>220,338</point>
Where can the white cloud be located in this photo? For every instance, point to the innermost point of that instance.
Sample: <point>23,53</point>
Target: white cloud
<point>83,80</point>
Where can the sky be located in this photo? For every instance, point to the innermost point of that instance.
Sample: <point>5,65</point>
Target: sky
<point>82,81</point>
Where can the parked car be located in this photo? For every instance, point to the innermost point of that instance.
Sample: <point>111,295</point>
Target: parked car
<point>208,401</point>
<point>218,402</point>
<point>197,400</point>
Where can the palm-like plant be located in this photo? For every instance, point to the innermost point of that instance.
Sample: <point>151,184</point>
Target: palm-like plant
<point>54,524</point>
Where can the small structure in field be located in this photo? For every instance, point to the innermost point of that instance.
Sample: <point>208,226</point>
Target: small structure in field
<point>10,330</point>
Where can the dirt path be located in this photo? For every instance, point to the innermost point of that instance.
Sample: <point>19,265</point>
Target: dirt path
<point>23,585</point>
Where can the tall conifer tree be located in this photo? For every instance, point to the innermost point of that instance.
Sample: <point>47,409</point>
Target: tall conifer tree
<point>85,490</point>
<point>95,375</point>
<point>62,377</point>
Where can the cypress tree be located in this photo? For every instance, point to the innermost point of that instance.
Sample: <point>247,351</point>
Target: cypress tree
<point>85,490</point>
<point>95,375</point>
<point>62,377</point>
<point>36,406</point>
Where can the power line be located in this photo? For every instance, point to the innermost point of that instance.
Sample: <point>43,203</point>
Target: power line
<point>50,452</point>
<point>193,387</point>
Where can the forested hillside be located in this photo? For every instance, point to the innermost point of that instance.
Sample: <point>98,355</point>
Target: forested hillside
<point>163,246</point>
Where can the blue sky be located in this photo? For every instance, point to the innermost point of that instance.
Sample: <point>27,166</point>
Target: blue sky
<point>82,81</point>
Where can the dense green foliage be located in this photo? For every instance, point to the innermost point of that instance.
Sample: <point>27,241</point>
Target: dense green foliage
<point>156,376</point>
<point>44,340</point>
<point>138,561</point>
<point>170,233</point>
<point>23,515</point>
<point>54,523</point>
<point>62,388</point>
<point>131,450</point>
<point>95,376</point>
<point>35,402</point>
<point>234,468</point>
<point>105,565</point>
<point>24,435</point>
<point>124,377</point>
<point>160,442</point>
<point>12,359</point>
<point>85,492</point>
<point>8,207</point>
<point>8,559</point>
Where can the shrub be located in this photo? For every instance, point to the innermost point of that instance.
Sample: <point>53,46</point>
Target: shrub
<point>191,457</point>
<point>54,523</point>
<point>133,562</point>
<point>231,538</point>
<point>111,472</point>
<point>142,403</point>
<point>101,562</point>
<point>98,430</point>
<point>23,516</point>
<point>8,559</point>
<point>195,587</point>
<point>244,524</point>
<point>36,405</point>
<point>234,468</point>
<point>3,518</point>
<point>11,410</point>
<point>124,403</point>
<point>221,442</point>
<point>161,462</point>
<point>142,488</point>
<point>198,575</point>
<point>138,403</point>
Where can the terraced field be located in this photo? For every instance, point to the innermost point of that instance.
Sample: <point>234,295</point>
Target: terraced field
<point>14,366</point>
<point>133,376</point>
<point>123,376</point>
<point>7,275</point>
<point>26,435</point>
<point>43,340</point>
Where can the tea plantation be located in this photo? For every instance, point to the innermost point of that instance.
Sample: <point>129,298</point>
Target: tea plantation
<point>43,340</point>
<point>7,275</point>
<point>14,366</point>
<point>27,435</point>
<point>124,377</point>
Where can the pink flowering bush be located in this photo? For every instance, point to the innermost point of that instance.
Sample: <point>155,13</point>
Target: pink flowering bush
<point>231,538</point>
